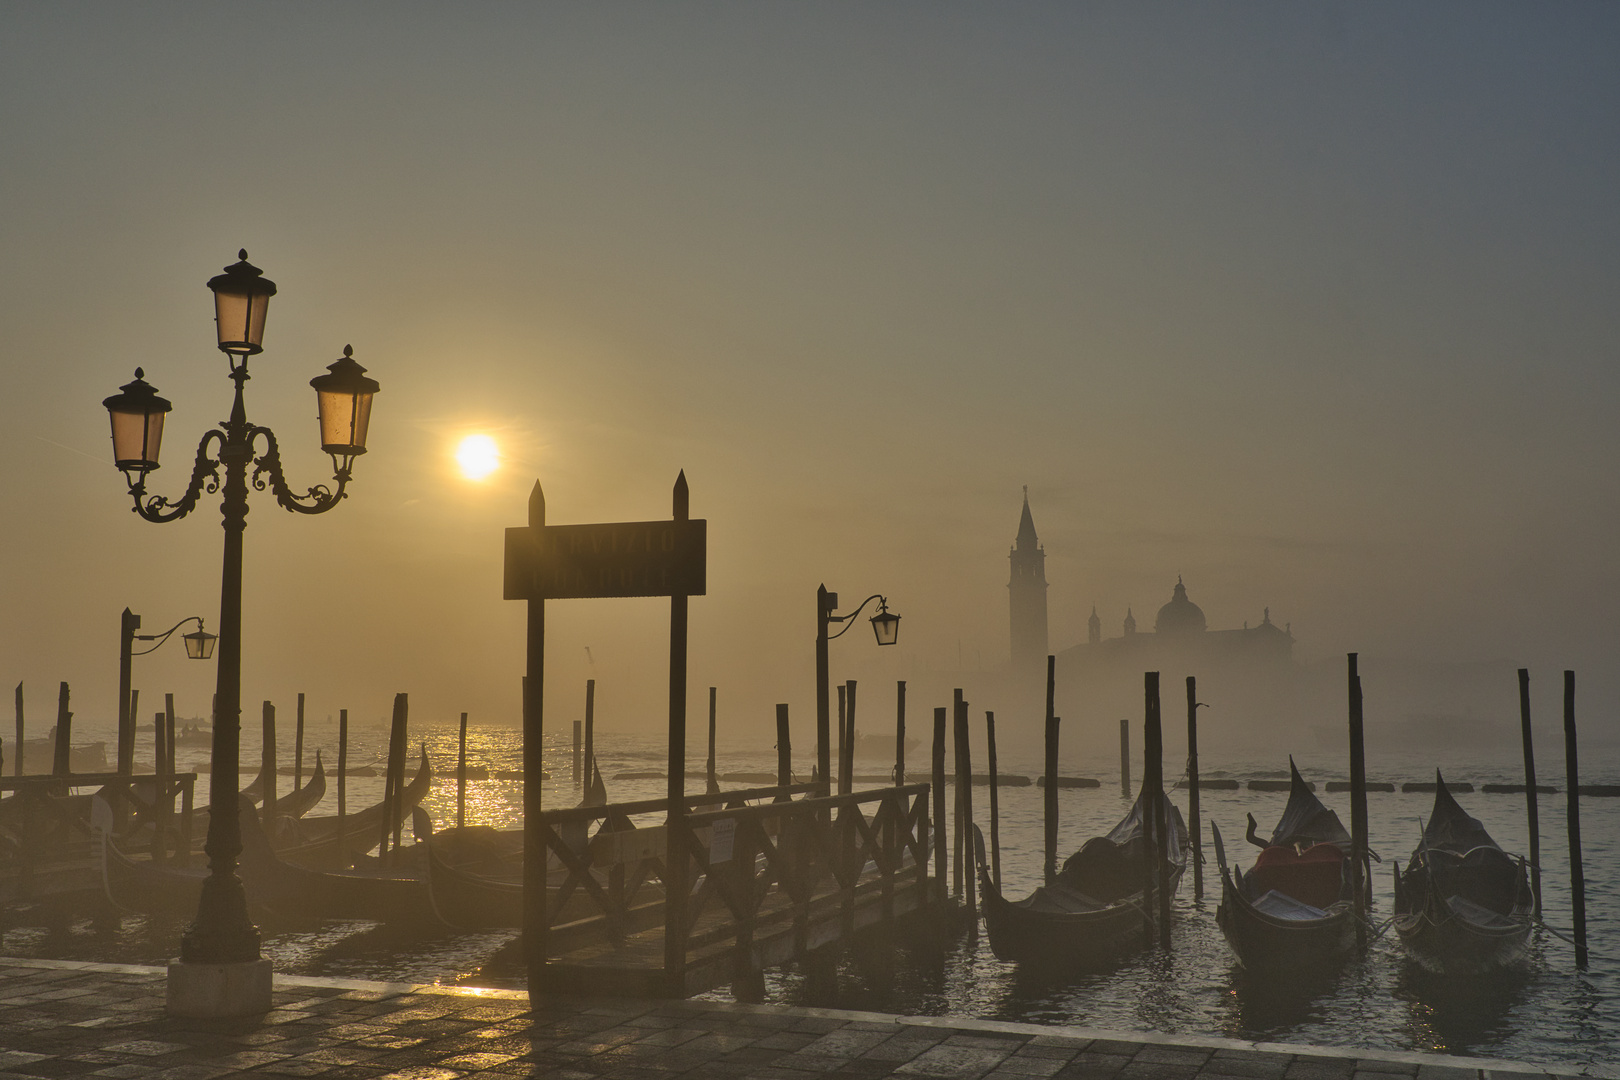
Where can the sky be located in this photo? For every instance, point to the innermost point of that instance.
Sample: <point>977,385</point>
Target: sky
<point>1310,305</point>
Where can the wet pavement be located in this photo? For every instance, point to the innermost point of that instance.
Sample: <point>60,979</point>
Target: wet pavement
<point>69,1019</point>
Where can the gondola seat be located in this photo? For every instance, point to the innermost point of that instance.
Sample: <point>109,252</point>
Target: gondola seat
<point>1314,876</point>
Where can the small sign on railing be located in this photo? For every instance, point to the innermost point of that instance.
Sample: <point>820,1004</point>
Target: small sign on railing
<point>722,839</point>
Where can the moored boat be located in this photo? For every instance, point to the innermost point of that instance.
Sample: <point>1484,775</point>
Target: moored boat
<point>1094,911</point>
<point>1462,906</point>
<point>1293,910</point>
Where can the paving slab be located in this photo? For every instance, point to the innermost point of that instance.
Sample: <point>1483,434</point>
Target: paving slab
<point>61,1018</point>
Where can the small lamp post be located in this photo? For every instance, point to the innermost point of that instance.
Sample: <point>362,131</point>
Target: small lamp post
<point>199,646</point>
<point>885,625</point>
<point>220,972</point>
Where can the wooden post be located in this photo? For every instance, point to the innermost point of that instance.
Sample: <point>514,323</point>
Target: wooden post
<point>461,776</point>
<point>848,763</point>
<point>1193,824</point>
<point>168,727</point>
<point>64,731</point>
<point>1532,804</point>
<point>964,773</point>
<point>995,806</point>
<point>342,787</point>
<point>784,754</point>
<point>536,920</point>
<point>134,703</point>
<point>129,622</point>
<point>298,747</point>
<point>1050,800</point>
<point>1577,873</point>
<point>267,761</point>
<point>712,781</point>
<point>396,763</point>
<point>900,735</point>
<point>676,858</point>
<point>17,769</point>
<point>590,728</point>
<point>843,710</point>
<point>1125,758</point>
<point>1153,782</point>
<point>938,784</point>
<point>579,749</point>
<point>160,766</point>
<point>1358,807</point>
<point>957,847</point>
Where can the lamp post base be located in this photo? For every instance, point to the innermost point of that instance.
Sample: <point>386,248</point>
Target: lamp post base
<point>207,991</point>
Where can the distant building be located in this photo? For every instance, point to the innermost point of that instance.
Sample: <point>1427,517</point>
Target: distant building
<point>1181,633</point>
<point>1026,594</point>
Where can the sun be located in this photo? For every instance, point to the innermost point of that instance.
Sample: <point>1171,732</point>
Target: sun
<point>478,456</point>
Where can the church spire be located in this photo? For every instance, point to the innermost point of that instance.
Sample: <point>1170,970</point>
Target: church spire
<point>1026,594</point>
<point>1026,526</point>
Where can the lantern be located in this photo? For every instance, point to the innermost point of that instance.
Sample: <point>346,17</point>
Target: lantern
<point>241,295</point>
<point>137,426</point>
<point>344,397</point>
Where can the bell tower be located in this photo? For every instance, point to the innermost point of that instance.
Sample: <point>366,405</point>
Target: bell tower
<point>1026,594</point>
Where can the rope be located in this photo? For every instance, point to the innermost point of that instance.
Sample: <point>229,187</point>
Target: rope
<point>1569,940</point>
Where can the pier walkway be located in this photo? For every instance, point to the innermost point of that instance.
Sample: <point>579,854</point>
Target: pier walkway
<point>69,1019</point>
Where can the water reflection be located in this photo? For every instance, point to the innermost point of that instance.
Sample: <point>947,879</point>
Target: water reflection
<point>1266,1006</point>
<point>1458,1014</point>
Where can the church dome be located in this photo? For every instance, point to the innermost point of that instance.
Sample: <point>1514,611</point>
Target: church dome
<point>1180,615</point>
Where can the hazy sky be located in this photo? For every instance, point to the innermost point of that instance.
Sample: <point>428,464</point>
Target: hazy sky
<point>1312,304</point>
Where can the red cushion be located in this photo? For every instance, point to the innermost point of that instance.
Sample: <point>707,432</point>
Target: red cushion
<point>1312,877</point>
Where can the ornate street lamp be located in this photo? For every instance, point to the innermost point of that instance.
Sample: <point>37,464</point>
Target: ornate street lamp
<point>199,646</point>
<point>887,628</point>
<point>209,979</point>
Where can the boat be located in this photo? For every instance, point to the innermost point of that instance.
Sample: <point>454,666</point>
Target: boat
<point>475,877</point>
<point>1294,910</point>
<point>1462,905</point>
<point>1093,912</point>
<point>332,843</point>
<point>880,747</point>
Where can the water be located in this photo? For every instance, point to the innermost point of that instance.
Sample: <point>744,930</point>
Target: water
<point>1552,1014</point>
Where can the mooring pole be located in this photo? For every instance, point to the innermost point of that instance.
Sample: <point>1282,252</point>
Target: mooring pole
<point>461,776</point>
<point>848,764</point>
<point>958,720</point>
<point>60,766</point>
<point>1358,806</point>
<point>168,727</point>
<point>995,805</point>
<point>941,868</point>
<point>1125,758</point>
<point>267,760</point>
<point>970,881</point>
<point>1050,802</point>
<point>398,741</point>
<point>129,622</point>
<point>711,780</point>
<point>536,920</point>
<point>1192,789</point>
<point>1577,873</point>
<point>160,766</point>
<point>784,754</point>
<point>18,768</point>
<point>298,746</point>
<point>900,735</point>
<point>1532,802</point>
<point>676,856</point>
<point>590,731</point>
<point>825,603</point>
<point>843,708</point>
<point>1153,751</point>
<point>579,749</point>
<point>343,788</point>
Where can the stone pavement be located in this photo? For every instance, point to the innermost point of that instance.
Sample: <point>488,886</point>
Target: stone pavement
<point>67,1019</point>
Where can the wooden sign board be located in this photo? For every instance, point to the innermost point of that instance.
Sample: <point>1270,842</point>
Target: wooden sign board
<point>625,558</point>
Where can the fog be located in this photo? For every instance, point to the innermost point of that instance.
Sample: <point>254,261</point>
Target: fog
<point>1310,307</point>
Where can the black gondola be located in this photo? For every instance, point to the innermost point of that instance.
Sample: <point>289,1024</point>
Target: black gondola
<point>1462,906</point>
<point>1094,912</point>
<point>1294,909</point>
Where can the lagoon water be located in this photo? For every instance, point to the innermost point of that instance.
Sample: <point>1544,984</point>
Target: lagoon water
<point>1552,1014</point>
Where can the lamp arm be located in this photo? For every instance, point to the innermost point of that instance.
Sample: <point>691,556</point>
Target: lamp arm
<point>267,472</point>
<point>204,477</point>
<point>161,638</point>
<point>850,618</point>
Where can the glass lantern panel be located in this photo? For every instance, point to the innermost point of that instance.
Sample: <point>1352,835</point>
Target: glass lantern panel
<point>137,438</point>
<point>241,321</point>
<point>344,419</point>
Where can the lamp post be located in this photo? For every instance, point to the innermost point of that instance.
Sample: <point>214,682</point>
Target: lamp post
<point>220,972</point>
<point>887,628</point>
<point>199,646</point>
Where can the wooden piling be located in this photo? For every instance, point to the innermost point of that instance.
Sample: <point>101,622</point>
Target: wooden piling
<point>712,779</point>
<point>843,705</point>
<point>1125,758</point>
<point>1532,807</point>
<point>677,858</point>
<point>1193,825</point>
<point>342,787</point>
<point>964,788</point>
<point>1158,899</point>
<point>17,768</point>
<point>579,749</point>
<point>64,731</point>
<point>461,775</point>
<point>848,762</point>
<point>298,747</point>
<point>1050,795</point>
<point>160,803</point>
<point>1358,806</point>
<point>1572,779</point>
<point>900,734</point>
<point>995,804</point>
<point>590,731</point>
<point>938,784</point>
<point>267,760</point>
<point>168,727</point>
<point>134,704</point>
<point>784,754</point>
<point>395,796</point>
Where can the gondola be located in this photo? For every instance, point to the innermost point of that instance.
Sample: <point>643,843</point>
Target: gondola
<point>1294,909</point>
<point>1094,912</point>
<point>332,843</point>
<point>1462,906</point>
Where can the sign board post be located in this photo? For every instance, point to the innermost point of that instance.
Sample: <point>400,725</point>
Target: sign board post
<point>634,558</point>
